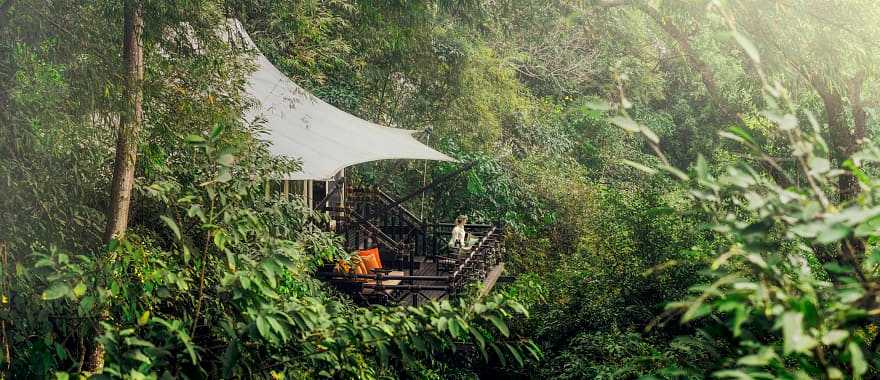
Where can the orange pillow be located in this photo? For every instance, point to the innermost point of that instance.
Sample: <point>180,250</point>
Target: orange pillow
<point>370,258</point>
<point>371,252</point>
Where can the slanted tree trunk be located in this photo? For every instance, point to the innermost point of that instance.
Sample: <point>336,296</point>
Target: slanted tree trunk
<point>727,110</point>
<point>5,302</point>
<point>4,90</point>
<point>848,185</point>
<point>844,143</point>
<point>682,39</point>
<point>693,59</point>
<point>126,144</point>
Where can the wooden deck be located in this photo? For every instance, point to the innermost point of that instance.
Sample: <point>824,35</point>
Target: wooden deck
<point>370,218</point>
<point>429,268</point>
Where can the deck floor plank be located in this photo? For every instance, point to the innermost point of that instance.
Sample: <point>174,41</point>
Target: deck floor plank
<point>427,267</point>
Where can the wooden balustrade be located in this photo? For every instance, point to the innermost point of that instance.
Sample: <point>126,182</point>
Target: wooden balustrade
<point>417,249</point>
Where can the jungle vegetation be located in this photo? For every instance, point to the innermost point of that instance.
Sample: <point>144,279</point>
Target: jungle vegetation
<point>690,188</point>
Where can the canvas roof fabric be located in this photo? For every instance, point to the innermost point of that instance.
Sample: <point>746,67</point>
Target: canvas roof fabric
<point>325,138</point>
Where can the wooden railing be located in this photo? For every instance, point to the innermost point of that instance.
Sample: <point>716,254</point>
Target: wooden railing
<point>395,220</point>
<point>469,265</point>
<point>410,246</point>
<point>396,229</point>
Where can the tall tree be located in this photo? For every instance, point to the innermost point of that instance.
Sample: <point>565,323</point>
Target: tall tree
<point>132,119</point>
<point>833,50</point>
<point>4,11</point>
<point>692,57</point>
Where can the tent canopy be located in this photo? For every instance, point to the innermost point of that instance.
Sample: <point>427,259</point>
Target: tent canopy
<point>324,138</point>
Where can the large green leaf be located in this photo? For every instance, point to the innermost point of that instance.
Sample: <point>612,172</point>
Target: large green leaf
<point>56,291</point>
<point>857,359</point>
<point>499,323</point>
<point>795,338</point>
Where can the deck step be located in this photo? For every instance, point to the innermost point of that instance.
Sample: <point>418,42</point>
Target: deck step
<point>491,279</point>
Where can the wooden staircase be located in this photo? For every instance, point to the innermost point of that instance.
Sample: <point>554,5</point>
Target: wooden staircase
<point>378,217</point>
<point>431,270</point>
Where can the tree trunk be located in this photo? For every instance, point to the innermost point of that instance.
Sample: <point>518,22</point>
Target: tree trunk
<point>126,145</point>
<point>129,128</point>
<point>5,302</point>
<point>4,88</point>
<point>844,142</point>
<point>848,185</point>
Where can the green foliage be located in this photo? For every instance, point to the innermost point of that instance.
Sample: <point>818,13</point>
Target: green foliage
<point>634,250</point>
<point>818,320</point>
<point>788,318</point>
<point>201,299</point>
<point>594,132</point>
<point>214,278</point>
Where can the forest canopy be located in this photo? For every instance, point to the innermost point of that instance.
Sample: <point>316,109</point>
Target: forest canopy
<point>686,188</point>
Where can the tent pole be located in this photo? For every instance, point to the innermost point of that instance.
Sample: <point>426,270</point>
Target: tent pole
<point>424,180</point>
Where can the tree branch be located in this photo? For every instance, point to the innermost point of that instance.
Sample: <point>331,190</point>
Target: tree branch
<point>683,41</point>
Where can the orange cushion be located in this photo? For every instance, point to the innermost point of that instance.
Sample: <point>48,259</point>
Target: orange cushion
<point>370,258</point>
<point>374,252</point>
<point>370,251</point>
<point>376,255</point>
<point>356,267</point>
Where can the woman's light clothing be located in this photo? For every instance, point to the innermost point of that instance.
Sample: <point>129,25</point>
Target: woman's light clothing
<point>458,237</point>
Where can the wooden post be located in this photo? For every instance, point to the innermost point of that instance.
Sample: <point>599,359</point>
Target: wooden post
<point>344,186</point>
<point>309,192</point>
<point>304,189</point>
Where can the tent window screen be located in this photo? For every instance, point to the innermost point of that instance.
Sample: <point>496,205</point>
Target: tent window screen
<point>297,188</point>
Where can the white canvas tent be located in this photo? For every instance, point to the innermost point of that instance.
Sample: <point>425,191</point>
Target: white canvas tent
<point>325,138</point>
